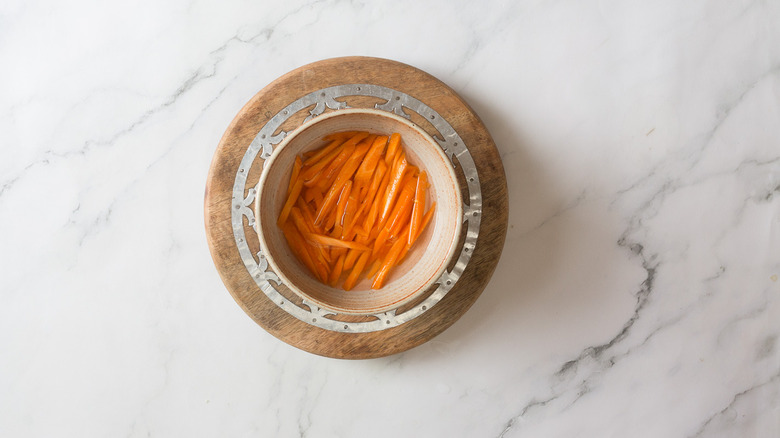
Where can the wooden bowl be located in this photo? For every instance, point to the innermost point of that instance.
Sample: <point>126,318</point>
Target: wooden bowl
<point>424,263</point>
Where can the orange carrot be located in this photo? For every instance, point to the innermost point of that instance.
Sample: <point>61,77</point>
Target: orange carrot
<point>375,265</point>
<point>294,177</point>
<point>299,221</point>
<point>323,152</point>
<point>330,165</point>
<point>392,147</point>
<point>388,263</point>
<point>354,275</point>
<point>317,198</point>
<point>425,220</point>
<point>351,258</point>
<point>373,211</point>
<point>312,170</point>
<point>320,264</point>
<point>369,164</point>
<point>393,188</point>
<point>307,213</point>
<point>336,272</point>
<point>403,207</point>
<point>319,239</point>
<point>340,204</point>
<point>298,246</point>
<point>419,205</point>
<point>296,190</point>
<point>370,193</point>
<point>308,194</point>
<point>349,214</point>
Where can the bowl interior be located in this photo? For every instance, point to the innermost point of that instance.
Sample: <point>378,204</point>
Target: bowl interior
<point>424,263</point>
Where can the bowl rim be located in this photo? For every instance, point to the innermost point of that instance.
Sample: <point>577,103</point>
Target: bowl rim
<point>289,137</point>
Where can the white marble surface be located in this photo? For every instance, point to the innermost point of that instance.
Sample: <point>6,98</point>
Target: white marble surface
<point>637,295</point>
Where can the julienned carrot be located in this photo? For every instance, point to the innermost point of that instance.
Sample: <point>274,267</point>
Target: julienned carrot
<point>393,188</point>
<point>331,241</point>
<point>299,221</point>
<point>375,265</point>
<point>308,214</point>
<point>419,204</point>
<point>354,275</point>
<point>369,164</point>
<point>315,170</point>
<point>349,214</point>
<point>373,211</point>
<point>332,167</point>
<point>392,147</point>
<point>296,242</point>
<point>323,152</point>
<point>351,258</point>
<point>353,205</point>
<point>320,264</point>
<point>425,220</point>
<point>403,208</point>
<point>295,172</point>
<point>368,199</point>
<point>288,205</point>
<point>340,205</point>
<point>388,263</point>
<point>336,272</point>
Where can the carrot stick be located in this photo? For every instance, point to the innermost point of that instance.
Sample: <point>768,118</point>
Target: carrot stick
<point>425,220</point>
<point>326,165</point>
<point>322,152</point>
<point>388,264</point>
<point>370,193</point>
<point>392,147</point>
<point>354,275</point>
<point>296,190</point>
<point>349,214</point>
<point>351,258</point>
<point>295,172</point>
<point>381,238</point>
<point>369,164</point>
<point>373,211</point>
<point>374,268</point>
<point>299,221</point>
<point>419,205</point>
<point>317,198</point>
<point>319,239</point>
<point>306,211</point>
<point>342,202</point>
<point>402,209</point>
<point>320,264</point>
<point>337,252</point>
<point>335,273</point>
<point>393,188</point>
<point>298,246</point>
<point>308,194</point>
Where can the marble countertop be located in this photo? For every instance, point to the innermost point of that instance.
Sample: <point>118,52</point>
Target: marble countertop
<point>637,294</point>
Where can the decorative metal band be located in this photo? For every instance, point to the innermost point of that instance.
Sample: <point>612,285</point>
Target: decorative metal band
<point>263,145</point>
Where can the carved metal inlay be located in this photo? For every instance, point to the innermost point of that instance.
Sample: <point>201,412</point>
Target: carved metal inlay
<point>262,147</point>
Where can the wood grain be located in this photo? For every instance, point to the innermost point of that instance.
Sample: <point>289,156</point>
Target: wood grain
<point>269,101</point>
